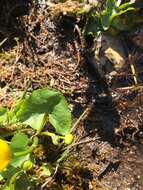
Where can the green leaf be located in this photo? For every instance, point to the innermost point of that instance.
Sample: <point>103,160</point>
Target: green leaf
<point>23,183</point>
<point>1,177</point>
<point>122,23</point>
<point>122,9</point>
<point>110,4</point>
<point>49,102</point>
<point>19,181</point>
<point>19,142</point>
<point>93,25</point>
<point>17,161</point>
<point>107,13</point>
<point>105,20</point>
<point>126,6</point>
<point>10,185</point>
<point>47,169</point>
<point>113,11</point>
<point>60,117</point>
<point>36,121</point>
<point>3,115</point>
<point>9,172</point>
<point>21,150</point>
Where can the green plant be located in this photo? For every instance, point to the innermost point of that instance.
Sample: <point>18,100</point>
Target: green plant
<point>110,17</point>
<point>112,11</point>
<point>16,145</point>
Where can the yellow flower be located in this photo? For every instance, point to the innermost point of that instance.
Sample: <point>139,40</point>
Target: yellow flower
<point>5,154</point>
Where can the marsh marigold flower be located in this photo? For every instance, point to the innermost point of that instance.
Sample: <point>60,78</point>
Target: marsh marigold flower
<point>5,154</point>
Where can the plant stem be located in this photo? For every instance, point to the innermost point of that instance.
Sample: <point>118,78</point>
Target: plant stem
<point>47,133</point>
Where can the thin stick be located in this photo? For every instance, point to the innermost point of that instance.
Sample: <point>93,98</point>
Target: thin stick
<point>134,87</point>
<point>3,41</point>
<point>85,141</point>
<point>80,118</point>
<point>134,74</point>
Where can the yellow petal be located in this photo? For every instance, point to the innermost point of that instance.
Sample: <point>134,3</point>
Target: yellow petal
<point>5,154</point>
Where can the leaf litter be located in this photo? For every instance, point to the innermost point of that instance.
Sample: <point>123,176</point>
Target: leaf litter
<point>49,50</point>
